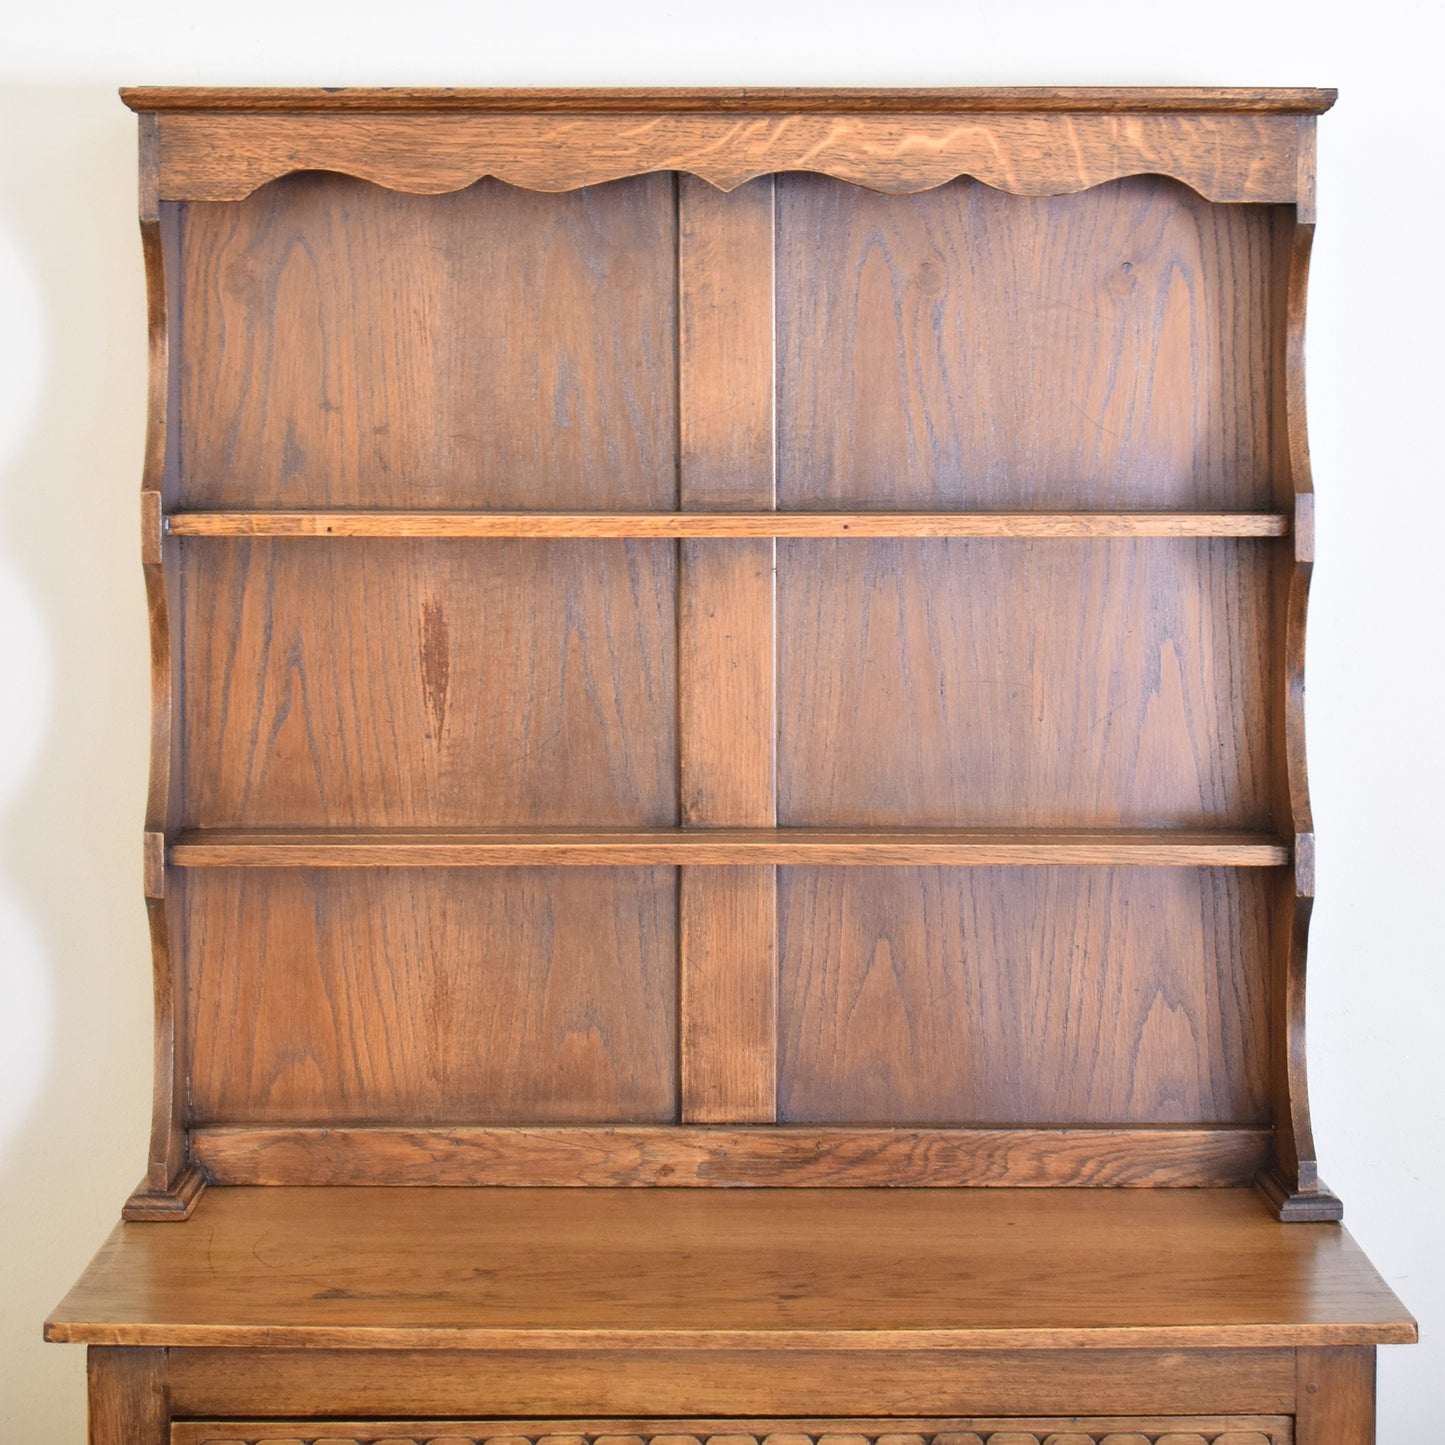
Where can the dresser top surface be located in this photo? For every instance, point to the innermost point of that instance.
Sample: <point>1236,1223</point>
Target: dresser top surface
<point>697,1269</point>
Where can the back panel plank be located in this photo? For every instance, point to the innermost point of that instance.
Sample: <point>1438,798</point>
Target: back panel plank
<point>1002,996</point>
<point>527,995</point>
<point>418,683</point>
<point>965,348</point>
<point>1024,683</point>
<point>727,689</point>
<point>340,345</point>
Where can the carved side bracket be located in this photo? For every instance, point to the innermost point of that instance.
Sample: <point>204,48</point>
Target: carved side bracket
<point>1292,1185</point>
<point>172,1184</point>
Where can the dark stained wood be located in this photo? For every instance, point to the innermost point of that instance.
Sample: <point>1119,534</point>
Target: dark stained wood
<point>965,348</point>
<point>498,997</point>
<point>653,1268</point>
<point>1070,995</point>
<point>596,847</point>
<point>1193,99</point>
<point>614,1383</point>
<point>733,524</point>
<point>128,1397</point>
<point>932,683</point>
<point>494,683</point>
<point>225,157</point>
<point>341,346</point>
<point>1335,1396</point>
<point>764,1156</point>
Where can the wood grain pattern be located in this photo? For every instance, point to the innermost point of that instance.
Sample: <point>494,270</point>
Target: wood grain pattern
<point>839,1270</point>
<point>641,847</point>
<point>341,346</point>
<point>590,99</point>
<point>237,1384</point>
<point>964,348</point>
<point>165,1184</point>
<point>128,1397</point>
<point>225,157</point>
<point>495,997</point>
<point>933,683</point>
<point>733,1157</point>
<point>728,944</point>
<point>1336,1396</point>
<point>725,350</point>
<point>727,685</point>
<point>1077,996</point>
<point>1074,1430</point>
<point>1293,1183</point>
<point>733,524</point>
<point>727,678</point>
<point>494,682</point>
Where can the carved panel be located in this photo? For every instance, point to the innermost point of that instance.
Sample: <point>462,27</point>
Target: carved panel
<point>1215,1430</point>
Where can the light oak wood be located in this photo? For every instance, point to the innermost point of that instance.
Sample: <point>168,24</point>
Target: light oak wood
<point>462,1155</point>
<point>821,847</point>
<point>833,1269</point>
<point>727,524</point>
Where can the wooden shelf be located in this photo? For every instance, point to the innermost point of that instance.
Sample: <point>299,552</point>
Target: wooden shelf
<point>725,524</point>
<point>510,848</point>
<point>835,1270</point>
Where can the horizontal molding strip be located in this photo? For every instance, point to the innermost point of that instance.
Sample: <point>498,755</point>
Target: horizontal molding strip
<point>725,524</point>
<point>223,156</point>
<point>1303,100</point>
<point>497,848</point>
<point>758,1156</point>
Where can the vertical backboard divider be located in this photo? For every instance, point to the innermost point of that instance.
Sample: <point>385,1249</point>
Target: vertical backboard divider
<point>726,673</point>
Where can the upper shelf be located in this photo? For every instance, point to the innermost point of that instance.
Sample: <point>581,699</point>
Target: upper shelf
<point>1209,99</point>
<point>725,524</point>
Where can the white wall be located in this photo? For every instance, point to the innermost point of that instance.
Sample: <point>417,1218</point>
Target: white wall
<point>74,961</point>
